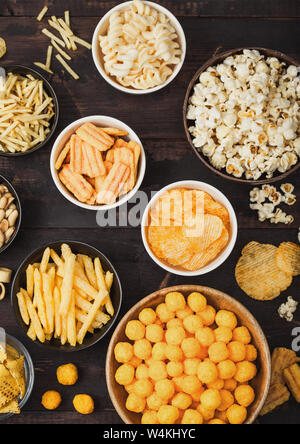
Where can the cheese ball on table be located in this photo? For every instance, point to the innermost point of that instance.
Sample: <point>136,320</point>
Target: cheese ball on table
<point>67,374</point>
<point>51,400</point>
<point>83,404</point>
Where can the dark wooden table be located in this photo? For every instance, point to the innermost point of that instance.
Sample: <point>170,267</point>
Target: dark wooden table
<point>156,118</point>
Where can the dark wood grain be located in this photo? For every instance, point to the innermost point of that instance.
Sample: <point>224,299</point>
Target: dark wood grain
<point>47,216</point>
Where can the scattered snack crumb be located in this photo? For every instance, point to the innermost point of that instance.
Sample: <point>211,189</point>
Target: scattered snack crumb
<point>84,404</point>
<point>67,374</point>
<point>51,400</point>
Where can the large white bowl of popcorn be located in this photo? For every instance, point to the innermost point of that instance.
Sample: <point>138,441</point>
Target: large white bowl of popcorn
<point>139,47</point>
<point>242,115</point>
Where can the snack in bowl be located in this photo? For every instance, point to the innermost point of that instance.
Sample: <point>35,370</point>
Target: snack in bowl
<point>9,215</point>
<point>26,113</point>
<point>65,297</point>
<point>140,46</point>
<point>173,376</point>
<point>187,228</point>
<point>2,47</point>
<point>243,115</point>
<point>12,380</point>
<point>97,165</point>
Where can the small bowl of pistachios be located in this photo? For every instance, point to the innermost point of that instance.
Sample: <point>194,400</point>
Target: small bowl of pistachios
<point>10,214</point>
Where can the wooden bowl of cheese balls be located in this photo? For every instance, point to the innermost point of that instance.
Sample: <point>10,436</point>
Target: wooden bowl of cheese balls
<point>188,355</point>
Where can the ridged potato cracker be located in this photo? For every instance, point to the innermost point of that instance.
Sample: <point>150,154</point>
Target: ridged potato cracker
<point>288,258</point>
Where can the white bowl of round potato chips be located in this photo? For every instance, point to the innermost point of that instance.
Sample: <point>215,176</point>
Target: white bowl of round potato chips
<point>189,228</point>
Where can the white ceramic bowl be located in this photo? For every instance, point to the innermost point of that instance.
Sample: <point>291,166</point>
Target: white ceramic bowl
<point>98,56</point>
<point>218,197</point>
<point>65,135</point>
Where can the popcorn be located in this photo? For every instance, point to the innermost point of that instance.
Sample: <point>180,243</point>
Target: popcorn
<point>249,106</point>
<point>286,311</point>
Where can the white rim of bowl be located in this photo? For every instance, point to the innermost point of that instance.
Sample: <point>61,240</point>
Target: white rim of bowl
<point>177,69</point>
<point>61,188</point>
<point>194,184</point>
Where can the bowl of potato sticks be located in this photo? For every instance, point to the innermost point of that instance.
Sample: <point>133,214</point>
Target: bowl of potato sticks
<point>189,228</point>
<point>188,354</point>
<point>10,214</point>
<point>16,377</point>
<point>98,163</point>
<point>139,47</point>
<point>66,296</point>
<point>28,111</point>
<point>241,115</point>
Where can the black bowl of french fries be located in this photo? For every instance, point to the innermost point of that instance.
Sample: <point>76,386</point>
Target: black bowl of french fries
<point>66,296</point>
<point>29,112</point>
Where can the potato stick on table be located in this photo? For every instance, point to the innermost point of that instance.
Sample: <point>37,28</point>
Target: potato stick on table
<point>71,322</point>
<point>23,307</point>
<point>48,301</point>
<point>53,37</point>
<point>61,51</point>
<point>45,260</point>
<point>42,14</point>
<point>67,18</point>
<point>99,299</point>
<point>57,317</point>
<point>35,319</point>
<point>67,284</point>
<point>39,300</point>
<point>30,280</point>
<point>49,56</point>
<point>67,67</point>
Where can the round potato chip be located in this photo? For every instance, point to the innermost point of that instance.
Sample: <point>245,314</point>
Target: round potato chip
<point>210,228</point>
<point>258,274</point>
<point>2,47</point>
<point>288,258</point>
<point>216,209</point>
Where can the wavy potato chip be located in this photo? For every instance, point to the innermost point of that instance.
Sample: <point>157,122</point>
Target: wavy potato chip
<point>288,258</point>
<point>258,274</point>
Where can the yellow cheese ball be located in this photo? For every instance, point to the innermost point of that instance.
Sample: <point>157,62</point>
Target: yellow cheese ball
<point>142,372</point>
<point>223,334</point>
<point>174,323</point>
<point>147,316</point>
<point>207,372</point>
<point>149,417</point>
<point>159,351</point>
<point>175,301</point>
<point>225,318</point>
<point>154,333</point>
<point>164,314</point>
<point>197,302</point>
<point>218,384</point>
<point>216,421</point>
<point>191,384</point>
<point>242,334</point>
<point>123,352</point>
<point>236,414</point>
<point>135,403</point>
<point>67,374</point>
<point>221,415</point>
<point>142,349</point>
<point>154,402</point>
<point>143,388</point>
<point>124,374</point>
<point>237,351</point>
<point>191,347</point>
<point>174,353</point>
<point>168,414</point>
<point>175,336</point>
<point>182,401</point>
<point>135,330</point>
<point>174,369</point>
<point>191,366</point>
<point>191,416</point>
<point>192,323</point>
<point>165,388</point>
<point>51,400</point>
<point>182,314</point>
<point>251,353</point>
<point>208,315</point>
<point>244,394</point>
<point>226,369</point>
<point>211,399</point>
<point>227,400</point>
<point>206,413</point>
<point>205,336</point>
<point>218,352</point>
<point>178,383</point>
<point>84,404</point>
<point>135,361</point>
<point>158,370</point>
<point>197,396</point>
<point>130,387</point>
<point>245,371</point>
<point>230,384</point>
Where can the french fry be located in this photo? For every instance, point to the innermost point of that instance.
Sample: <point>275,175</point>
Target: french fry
<point>67,67</point>
<point>45,260</point>
<point>39,300</point>
<point>109,277</point>
<point>30,280</point>
<point>56,259</point>
<point>102,285</point>
<point>49,56</point>
<point>49,303</point>
<point>42,14</point>
<point>57,317</point>
<point>71,322</point>
<point>31,332</point>
<point>91,315</point>
<point>51,36</point>
<point>61,51</point>
<point>35,320</point>
<point>89,270</point>
<point>67,284</point>
<point>23,308</point>
<point>64,330</point>
<point>65,251</point>
<point>85,286</point>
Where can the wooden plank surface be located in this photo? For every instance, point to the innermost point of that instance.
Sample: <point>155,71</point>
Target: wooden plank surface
<point>157,119</point>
